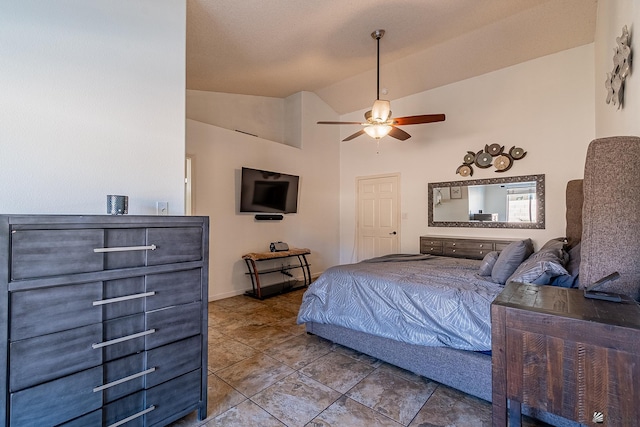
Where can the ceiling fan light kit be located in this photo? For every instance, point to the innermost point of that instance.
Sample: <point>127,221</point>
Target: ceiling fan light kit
<point>378,131</point>
<point>378,122</point>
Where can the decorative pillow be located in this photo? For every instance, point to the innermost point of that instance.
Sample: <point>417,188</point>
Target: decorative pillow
<point>557,246</point>
<point>573,268</point>
<point>488,262</point>
<point>557,243</point>
<point>510,258</point>
<point>540,268</point>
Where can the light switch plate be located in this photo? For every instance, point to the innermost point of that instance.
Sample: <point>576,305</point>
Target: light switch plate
<point>162,208</point>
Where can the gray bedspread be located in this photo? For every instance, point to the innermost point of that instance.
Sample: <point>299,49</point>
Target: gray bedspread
<point>437,301</point>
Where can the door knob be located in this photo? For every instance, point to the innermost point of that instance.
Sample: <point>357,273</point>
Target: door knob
<point>393,233</point>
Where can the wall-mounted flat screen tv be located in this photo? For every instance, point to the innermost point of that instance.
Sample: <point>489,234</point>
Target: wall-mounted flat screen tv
<point>268,192</point>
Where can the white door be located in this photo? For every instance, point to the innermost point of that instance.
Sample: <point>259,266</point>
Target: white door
<point>378,216</point>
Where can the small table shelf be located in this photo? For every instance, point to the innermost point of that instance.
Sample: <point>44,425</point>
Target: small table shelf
<point>258,291</point>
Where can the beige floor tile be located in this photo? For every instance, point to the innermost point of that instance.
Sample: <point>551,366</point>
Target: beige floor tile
<point>449,407</point>
<point>246,414</point>
<point>301,350</point>
<point>392,395</point>
<point>261,337</point>
<point>254,374</point>
<point>296,399</point>
<point>226,352</point>
<point>337,371</point>
<point>347,412</point>
<point>221,396</point>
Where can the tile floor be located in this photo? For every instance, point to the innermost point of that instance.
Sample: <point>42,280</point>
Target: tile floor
<point>264,370</point>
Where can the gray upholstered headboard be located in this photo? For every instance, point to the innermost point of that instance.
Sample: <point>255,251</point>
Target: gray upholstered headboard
<point>574,199</point>
<point>611,214</point>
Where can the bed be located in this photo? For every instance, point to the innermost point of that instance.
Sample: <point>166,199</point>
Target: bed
<point>454,350</point>
<point>602,236</point>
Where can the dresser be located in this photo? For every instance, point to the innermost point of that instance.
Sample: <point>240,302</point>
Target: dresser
<point>557,351</point>
<point>461,247</point>
<point>107,319</point>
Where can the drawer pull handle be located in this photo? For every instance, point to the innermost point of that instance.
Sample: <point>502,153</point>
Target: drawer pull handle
<point>453,244</point>
<point>126,248</point>
<point>124,298</point>
<point>133,417</point>
<point>453,250</point>
<point>481,245</point>
<point>123,380</point>
<point>122,339</point>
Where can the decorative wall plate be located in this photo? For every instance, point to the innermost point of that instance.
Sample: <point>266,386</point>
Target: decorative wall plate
<point>503,163</point>
<point>483,160</point>
<point>465,170</point>
<point>492,154</point>
<point>517,153</point>
<point>621,69</point>
<point>469,158</point>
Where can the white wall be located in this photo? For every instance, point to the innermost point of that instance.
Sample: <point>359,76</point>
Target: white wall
<point>219,156</point>
<point>545,106</point>
<point>612,16</point>
<point>92,103</point>
<point>262,116</point>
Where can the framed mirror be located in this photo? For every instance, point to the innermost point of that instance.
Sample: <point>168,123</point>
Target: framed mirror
<point>510,202</point>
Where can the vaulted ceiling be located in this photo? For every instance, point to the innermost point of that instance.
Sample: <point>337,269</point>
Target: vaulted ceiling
<point>279,47</point>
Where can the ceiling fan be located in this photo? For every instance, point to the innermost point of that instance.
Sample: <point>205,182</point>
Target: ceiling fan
<point>378,120</point>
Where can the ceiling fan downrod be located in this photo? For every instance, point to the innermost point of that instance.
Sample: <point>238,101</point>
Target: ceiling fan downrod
<point>377,34</point>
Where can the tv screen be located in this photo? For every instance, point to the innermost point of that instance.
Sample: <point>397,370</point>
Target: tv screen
<point>268,192</point>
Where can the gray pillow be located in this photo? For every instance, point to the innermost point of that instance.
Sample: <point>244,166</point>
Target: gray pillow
<point>488,262</point>
<point>573,268</point>
<point>557,243</point>
<point>540,268</point>
<point>510,258</point>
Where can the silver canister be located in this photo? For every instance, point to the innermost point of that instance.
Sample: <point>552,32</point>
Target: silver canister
<point>117,205</point>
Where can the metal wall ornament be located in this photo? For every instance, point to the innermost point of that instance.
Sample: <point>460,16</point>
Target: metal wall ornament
<point>621,69</point>
<point>493,154</point>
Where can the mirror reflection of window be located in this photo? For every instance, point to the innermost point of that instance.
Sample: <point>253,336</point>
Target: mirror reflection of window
<point>521,204</point>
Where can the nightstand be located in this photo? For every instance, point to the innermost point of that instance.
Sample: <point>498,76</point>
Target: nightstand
<point>554,350</point>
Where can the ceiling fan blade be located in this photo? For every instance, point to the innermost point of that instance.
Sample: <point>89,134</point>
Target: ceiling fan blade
<point>398,133</point>
<point>416,120</point>
<point>355,135</point>
<point>339,123</point>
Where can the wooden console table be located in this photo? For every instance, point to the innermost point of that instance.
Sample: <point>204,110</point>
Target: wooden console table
<point>554,350</point>
<point>461,247</point>
<point>252,259</point>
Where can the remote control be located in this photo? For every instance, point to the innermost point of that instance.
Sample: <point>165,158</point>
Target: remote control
<point>603,296</point>
<point>590,291</point>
